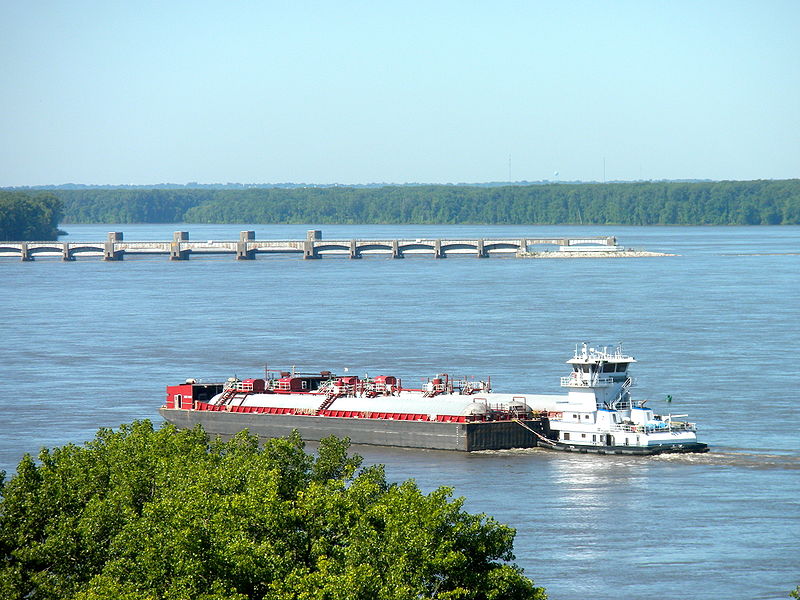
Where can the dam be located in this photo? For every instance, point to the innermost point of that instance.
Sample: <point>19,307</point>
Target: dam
<point>247,247</point>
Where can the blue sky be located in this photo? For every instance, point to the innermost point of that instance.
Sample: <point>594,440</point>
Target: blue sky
<point>357,92</point>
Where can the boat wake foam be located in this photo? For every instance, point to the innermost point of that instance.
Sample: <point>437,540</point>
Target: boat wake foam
<point>736,458</point>
<point>728,457</point>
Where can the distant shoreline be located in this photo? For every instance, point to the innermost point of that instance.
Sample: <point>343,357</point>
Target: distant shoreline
<point>608,205</point>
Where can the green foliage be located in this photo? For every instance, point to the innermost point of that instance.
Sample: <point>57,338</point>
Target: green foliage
<point>646,203</point>
<point>144,514</point>
<point>129,206</point>
<point>26,216</point>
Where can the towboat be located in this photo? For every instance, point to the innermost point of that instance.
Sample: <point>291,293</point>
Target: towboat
<point>597,414</point>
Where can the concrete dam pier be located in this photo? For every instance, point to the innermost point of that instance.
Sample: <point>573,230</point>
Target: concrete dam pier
<point>116,248</point>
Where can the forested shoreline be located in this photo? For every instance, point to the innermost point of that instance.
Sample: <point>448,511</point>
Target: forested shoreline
<point>639,203</point>
<point>29,216</point>
<point>667,203</point>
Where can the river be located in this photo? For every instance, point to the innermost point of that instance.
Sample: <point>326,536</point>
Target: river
<point>92,343</point>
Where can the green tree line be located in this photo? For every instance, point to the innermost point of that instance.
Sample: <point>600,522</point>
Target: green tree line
<point>641,203</point>
<point>29,216</point>
<point>716,203</point>
<point>145,514</point>
<point>130,206</point>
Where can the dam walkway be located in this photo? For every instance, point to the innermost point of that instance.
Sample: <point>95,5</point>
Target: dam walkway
<point>116,248</point>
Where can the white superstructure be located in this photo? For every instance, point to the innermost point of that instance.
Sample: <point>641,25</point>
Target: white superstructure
<point>599,412</point>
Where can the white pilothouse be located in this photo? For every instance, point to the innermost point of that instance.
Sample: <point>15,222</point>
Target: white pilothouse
<point>599,415</point>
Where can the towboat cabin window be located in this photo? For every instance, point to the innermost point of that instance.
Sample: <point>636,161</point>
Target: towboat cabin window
<point>304,384</point>
<point>566,435</point>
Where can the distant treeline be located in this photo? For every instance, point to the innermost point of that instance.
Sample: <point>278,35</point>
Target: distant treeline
<point>661,203</point>
<point>29,216</point>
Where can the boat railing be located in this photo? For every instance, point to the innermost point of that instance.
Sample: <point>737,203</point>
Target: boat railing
<point>663,427</point>
<point>573,381</point>
<point>207,380</point>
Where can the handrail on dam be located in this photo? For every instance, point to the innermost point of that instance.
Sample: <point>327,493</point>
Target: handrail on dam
<point>115,247</point>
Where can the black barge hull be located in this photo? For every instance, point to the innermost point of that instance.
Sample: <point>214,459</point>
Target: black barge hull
<point>465,437</point>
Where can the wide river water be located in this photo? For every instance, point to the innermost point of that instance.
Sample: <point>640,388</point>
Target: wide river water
<point>92,343</point>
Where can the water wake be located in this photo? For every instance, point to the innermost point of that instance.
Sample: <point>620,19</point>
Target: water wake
<point>724,457</point>
<point>736,457</point>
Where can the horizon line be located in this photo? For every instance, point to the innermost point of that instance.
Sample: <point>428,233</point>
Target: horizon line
<point>198,185</point>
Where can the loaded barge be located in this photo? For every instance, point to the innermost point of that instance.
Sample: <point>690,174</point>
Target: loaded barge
<point>597,414</point>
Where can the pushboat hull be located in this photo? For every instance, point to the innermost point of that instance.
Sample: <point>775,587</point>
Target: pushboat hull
<point>686,448</point>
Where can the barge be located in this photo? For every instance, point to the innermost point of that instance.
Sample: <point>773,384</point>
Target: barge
<point>597,414</point>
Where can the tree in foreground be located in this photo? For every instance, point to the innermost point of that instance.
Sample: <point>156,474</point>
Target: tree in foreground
<point>144,514</point>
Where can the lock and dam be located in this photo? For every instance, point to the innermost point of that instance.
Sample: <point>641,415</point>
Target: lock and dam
<point>247,247</point>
